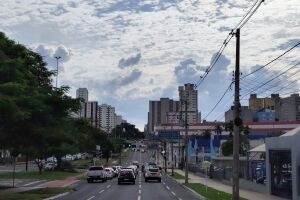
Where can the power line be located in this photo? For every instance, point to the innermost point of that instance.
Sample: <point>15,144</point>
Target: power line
<point>246,15</point>
<point>241,26</point>
<point>254,89</point>
<point>292,48</point>
<point>228,88</point>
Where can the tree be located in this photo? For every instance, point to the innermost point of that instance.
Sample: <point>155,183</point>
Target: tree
<point>227,147</point>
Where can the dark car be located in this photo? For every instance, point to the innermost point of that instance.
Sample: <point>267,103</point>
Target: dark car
<point>126,176</point>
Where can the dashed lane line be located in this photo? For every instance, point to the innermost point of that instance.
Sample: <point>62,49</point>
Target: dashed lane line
<point>168,187</point>
<point>101,191</point>
<point>140,186</point>
<point>139,197</point>
<point>108,186</point>
<point>140,191</point>
<point>173,193</point>
<point>91,197</point>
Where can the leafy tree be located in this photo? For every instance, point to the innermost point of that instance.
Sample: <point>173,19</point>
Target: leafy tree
<point>227,147</point>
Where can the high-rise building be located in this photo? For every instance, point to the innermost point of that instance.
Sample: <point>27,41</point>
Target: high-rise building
<point>91,112</point>
<point>188,96</point>
<point>246,114</point>
<point>82,93</point>
<point>289,109</point>
<point>158,112</point>
<point>118,119</point>
<point>106,115</point>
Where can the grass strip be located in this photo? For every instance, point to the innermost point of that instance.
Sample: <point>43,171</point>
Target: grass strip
<point>211,194</point>
<point>46,175</point>
<point>176,175</point>
<point>37,194</point>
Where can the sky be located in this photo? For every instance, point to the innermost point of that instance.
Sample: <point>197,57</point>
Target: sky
<point>127,52</point>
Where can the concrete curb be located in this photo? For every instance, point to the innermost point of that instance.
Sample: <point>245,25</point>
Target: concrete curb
<point>182,185</point>
<point>57,196</point>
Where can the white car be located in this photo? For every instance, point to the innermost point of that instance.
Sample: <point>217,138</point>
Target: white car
<point>109,172</point>
<point>50,165</point>
<point>96,173</point>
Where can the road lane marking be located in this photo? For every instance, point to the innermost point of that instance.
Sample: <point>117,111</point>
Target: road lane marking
<point>108,186</point>
<point>140,191</point>
<point>173,193</point>
<point>91,198</point>
<point>57,196</point>
<point>168,187</point>
<point>31,183</point>
<point>101,191</point>
<point>164,183</point>
<point>179,198</point>
<point>140,186</point>
<point>139,197</point>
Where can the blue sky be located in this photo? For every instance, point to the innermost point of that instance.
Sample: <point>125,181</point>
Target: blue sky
<point>127,52</point>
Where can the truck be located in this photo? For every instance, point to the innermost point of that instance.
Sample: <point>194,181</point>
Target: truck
<point>96,173</point>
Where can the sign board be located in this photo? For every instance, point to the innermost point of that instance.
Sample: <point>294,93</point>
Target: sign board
<point>169,135</point>
<point>98,147</point>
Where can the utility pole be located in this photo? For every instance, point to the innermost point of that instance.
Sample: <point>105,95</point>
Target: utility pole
<point>172,159</point>
<point>165,155</point>
<point>237,121</point>
<point>186,139</point>
<point>57,58</point>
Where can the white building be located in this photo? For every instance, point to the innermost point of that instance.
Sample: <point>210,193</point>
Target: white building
<point>82,93</point>
<point>118,119</point>
<point>106,116</point>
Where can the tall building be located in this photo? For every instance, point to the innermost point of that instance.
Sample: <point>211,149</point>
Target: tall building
<point>118,119</point>
<point>91,112</point>
<point>158,112</point>
<point>82,93</point>
<point>188,96</point>
<point>106,115</point>
<point>289,109</point>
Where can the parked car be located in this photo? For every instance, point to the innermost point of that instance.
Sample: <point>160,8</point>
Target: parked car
<point>109,172</point>
<point>50,166</point>
<point>126,175</point>
<point>153,173</point>
<point>96,173</point>
<point>136,163</point>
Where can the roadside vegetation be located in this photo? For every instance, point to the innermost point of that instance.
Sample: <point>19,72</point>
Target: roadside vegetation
<point>176,175</point>
<point>36,194</point>
<point>47,175</point>
<point>36,117</point>
<point>211,193</point>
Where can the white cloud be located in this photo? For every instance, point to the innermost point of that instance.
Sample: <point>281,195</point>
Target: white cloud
<point>167,32</point>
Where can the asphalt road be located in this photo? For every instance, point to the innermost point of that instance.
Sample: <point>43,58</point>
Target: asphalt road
<point>168,189</point>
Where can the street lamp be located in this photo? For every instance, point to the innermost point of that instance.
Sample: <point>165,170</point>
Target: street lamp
<point>57,58</point>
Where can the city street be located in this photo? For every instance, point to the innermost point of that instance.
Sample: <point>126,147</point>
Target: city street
<point>168,189</point>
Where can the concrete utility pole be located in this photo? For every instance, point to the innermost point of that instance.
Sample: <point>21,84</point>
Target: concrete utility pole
<point>186,139</point>
<point>237,121</point>
<point>57,58</point>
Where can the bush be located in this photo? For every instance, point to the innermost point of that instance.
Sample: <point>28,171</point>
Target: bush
<point>66,166</point>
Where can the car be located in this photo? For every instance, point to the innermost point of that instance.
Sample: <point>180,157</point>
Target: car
<point>126,175</point>
<point>50,166</point>
<point>96,173</point>
<point>152,173</point>
<point>136,163</point>
<point>134,168</point>
<point>109,172</point>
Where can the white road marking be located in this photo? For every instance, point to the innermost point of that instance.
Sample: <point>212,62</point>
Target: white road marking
<point>139,197</point>
<point>101,191</point>
<point>140,186</point>
<point>57,196</point>
<point>168,187</point>
<point>108,186</point>
<point>31,183</point>
<point>179,198</point>
<point>173,193</point>
<point>164,183</point>
<point>91,198</point>
<point>140,191</point>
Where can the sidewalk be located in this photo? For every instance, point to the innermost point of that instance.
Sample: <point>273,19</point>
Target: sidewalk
<point>251,195</point>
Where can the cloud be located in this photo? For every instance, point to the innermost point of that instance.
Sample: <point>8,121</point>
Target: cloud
<point>289,44</point>
<point>49,55</point>
<point>132,60</point>
<point>132,77</point>
<point>187,71</point>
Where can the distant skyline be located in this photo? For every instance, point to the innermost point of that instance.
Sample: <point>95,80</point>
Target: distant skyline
<point>127,52</point>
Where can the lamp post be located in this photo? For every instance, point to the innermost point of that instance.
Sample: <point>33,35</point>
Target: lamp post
<point>57,58</point>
